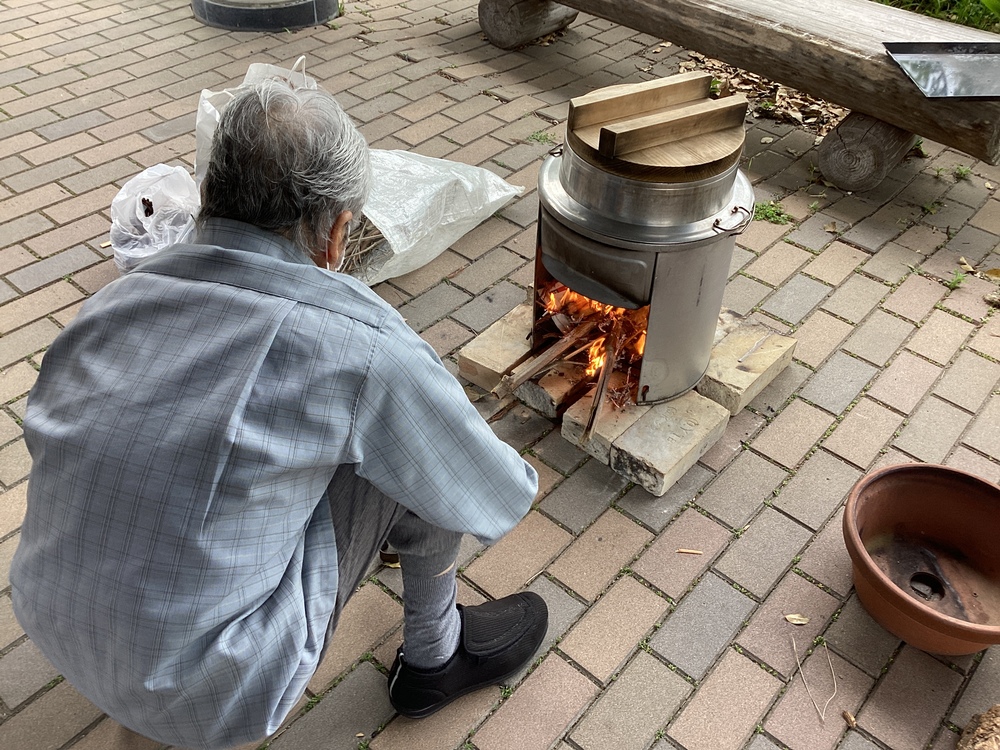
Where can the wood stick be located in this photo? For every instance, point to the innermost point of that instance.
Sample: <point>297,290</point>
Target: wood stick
<point>611,345</point>
<point>527,370</point>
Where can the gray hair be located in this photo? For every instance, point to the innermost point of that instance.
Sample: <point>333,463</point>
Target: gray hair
<point>288,161</point>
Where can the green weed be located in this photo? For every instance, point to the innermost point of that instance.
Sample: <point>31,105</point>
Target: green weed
<point>540,136</point>
<point>980,14</point>
<point>957,277</point>
<point>771,211</point>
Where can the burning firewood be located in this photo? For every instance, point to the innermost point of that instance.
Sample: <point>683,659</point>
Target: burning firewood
<point>612,338</point>
<point>612,342</point>
<point>532,367</point>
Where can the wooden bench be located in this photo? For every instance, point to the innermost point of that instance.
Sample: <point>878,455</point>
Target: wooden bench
<point>831,49</point>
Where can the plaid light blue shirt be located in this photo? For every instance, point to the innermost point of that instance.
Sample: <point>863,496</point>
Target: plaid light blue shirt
<point>178,563</point>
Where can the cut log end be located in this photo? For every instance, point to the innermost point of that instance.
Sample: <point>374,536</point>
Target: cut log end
<point>983,732</point>
<point>861,151</point>
<point>511,23</point>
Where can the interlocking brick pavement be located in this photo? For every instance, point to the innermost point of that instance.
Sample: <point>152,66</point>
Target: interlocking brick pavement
<point>646,647</point>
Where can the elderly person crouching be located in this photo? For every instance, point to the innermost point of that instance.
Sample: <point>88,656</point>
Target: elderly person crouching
<point>224,438</point>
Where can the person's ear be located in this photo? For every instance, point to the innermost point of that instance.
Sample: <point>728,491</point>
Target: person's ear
<point>336,244</point>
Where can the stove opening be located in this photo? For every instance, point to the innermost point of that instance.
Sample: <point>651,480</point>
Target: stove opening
<point>604,342</point>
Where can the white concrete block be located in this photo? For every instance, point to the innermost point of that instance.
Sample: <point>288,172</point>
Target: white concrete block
<point>611,424</point>
<point>498,349</point>
<point>743,364</point>
<point>668,440</point>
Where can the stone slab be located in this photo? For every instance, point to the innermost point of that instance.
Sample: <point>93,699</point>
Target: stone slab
<point>588,492</point>
<point>795,722</point>
<point>983,690</point>
<point>595,557</point>
<point>668,440</point>
<point>671,571</point>
<point>611,424</point>
<point>703,624</point>
<point>540,710</point>
<point>446,728</point>
<point>637,704</point>
<point>498,349</point>
<point>769,635</point>
<point>743,364</point>
<point>602,641</point>
<point>728,705</point>
<point>861,640</point>
<point>904,710</point>
<point>358,705</point>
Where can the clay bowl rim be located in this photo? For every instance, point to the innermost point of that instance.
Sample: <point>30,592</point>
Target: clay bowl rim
<point>913,608</point>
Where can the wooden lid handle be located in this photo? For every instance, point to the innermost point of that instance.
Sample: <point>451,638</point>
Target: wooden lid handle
<point>699,118</point>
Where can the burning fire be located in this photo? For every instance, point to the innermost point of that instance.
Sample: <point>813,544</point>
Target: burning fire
<point>618,332</point>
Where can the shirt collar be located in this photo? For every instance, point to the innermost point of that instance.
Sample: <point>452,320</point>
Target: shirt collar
<point>239,235</point>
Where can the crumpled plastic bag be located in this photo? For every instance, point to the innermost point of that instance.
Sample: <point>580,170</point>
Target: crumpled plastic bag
<point>419,204</point>
<point>422,205</point>
<point>154,209</point>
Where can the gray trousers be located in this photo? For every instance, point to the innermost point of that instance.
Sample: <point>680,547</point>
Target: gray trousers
<point>363,519</point>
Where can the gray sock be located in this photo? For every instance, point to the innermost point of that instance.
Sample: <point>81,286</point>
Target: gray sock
<point>427,556</point>
<point>431,625</point>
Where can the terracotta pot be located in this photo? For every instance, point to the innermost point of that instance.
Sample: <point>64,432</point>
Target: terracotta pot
<point>925,544</point>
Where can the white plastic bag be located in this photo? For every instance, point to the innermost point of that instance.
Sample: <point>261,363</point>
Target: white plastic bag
<point>154,209</point>
<point>211,104</point>
<point>422,205</point>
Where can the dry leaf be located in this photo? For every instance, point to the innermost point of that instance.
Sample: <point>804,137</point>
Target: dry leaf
<point>964,265</point>
<point>993,300</point>
<point>993,274</point>
<point>831,228</point>
<point>771,100</point>
<point>849,718</point>
<point>797,619</point>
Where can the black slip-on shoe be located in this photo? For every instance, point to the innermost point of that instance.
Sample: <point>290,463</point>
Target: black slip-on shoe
<point>498,639</point>
<point>388,555</point>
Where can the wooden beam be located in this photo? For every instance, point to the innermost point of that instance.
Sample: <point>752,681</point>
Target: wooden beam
<point>831,49</point>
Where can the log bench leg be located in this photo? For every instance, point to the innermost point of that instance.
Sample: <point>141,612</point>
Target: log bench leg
<point>511,23</point>
<point>861,151</point>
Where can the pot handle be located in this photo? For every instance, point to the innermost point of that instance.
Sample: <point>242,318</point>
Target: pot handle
<point>738,228</point>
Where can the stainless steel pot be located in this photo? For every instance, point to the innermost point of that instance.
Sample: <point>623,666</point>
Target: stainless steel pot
<point>637,201</point>
<point>630,243</point>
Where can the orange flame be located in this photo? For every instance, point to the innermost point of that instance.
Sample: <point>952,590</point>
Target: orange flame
<point>559,299</point>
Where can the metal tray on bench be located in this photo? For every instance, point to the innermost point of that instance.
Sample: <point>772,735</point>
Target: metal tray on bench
<point>969,70</point>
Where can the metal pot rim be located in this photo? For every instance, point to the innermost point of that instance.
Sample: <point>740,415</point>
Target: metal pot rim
<point>732,219</point>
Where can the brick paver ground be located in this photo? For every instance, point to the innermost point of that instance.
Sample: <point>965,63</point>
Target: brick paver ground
<point>646,648</point>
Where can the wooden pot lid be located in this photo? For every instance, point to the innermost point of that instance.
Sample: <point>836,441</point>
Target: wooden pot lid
<point>667,130</point>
